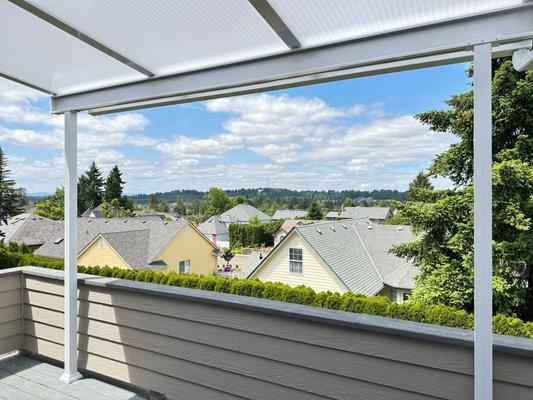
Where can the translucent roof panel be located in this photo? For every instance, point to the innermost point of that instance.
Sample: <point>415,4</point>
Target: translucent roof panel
<point>38,53</point>
<point>171,36</point>
<point>316,22</point>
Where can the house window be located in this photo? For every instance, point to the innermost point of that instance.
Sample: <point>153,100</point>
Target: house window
<point>185,266</point>
<point>295,261</point>
<point>406,296</point>
<point>393,295</point>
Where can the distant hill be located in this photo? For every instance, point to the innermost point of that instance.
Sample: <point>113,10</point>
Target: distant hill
<point>283,196</point>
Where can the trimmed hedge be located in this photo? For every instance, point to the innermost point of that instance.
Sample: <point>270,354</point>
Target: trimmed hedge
<point>350,302</point>
<point>246,235</point>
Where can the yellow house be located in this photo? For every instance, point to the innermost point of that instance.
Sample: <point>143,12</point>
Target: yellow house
<point>341,256</point>
<point>140,243</point>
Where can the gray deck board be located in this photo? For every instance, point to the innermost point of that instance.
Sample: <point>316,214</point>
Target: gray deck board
<point>27,379</point>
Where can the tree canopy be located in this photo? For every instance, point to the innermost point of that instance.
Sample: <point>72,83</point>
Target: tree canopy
<point>444,218</point>
<point>315,211</point>
<point>113,185</point>
<point>52,207</point>
<point>90,189</point>
<point>216,202</point>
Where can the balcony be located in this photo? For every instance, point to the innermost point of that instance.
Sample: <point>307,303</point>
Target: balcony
<point>192,344</point>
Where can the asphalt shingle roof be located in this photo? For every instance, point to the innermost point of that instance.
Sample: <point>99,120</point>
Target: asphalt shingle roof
<point>213,226</point>
<point>132,246</point>
<point>366,212</point>
<point>159,234</point>
<point>289,214</point>
<point>357,252</point>
<point>31,229</point>
<point>243,213</point>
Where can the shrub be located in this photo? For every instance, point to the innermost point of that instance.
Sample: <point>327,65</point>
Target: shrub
<point>350,302</point>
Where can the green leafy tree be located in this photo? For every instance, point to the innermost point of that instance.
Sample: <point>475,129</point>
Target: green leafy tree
<point>11,197</point>
<point>52,207</point>
<point>179,207</point>
<point>216,202</point>
<point>113,185</point>
<point>444,218</point>
<point>90,189</point>
<point>349,203</point>
<point>315,211</point>
<point>163,207</point>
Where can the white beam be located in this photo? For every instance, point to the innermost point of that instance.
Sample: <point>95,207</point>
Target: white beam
<point>272,72</point>
<point>71,268</point>
<point>483,221</point>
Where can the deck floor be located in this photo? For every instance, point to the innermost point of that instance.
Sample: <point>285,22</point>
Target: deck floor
<point>24,378</point>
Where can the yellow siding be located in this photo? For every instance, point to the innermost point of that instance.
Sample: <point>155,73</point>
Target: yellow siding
<point>189,244</point>
<point>101,253</point>
<point>314,273</point>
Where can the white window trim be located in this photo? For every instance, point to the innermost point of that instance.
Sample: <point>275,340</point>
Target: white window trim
<point>300,262</point>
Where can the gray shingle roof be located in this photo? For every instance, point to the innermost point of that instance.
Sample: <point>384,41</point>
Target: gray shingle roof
<point>160,233</point>
<point>366,212</point>
<point>31,229</point>
<point>132,246</point>
<point>357,252</point>
<point>403,277</point>
<point>243,213</point>
<point>289,214</point>
<point>213,226</point>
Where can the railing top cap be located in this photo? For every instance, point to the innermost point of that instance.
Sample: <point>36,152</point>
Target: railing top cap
<point>415,330</point>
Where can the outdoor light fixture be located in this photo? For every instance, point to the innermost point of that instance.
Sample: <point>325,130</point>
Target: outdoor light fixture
<point>523,60</point>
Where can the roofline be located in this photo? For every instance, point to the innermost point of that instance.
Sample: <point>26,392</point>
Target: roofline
<point>109,244</point>
<point>306,242</point>
<point>187,223</point>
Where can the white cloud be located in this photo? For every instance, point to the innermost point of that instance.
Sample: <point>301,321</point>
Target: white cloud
<point>301,142</point>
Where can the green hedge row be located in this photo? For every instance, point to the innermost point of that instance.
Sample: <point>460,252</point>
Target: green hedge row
<point>381,306</point>
<point>246,235</point>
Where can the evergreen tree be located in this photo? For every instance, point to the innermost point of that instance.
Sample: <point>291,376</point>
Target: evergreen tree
<point>90,189</point>
<point>315,211</point>
<point>419,186</point>
<point>444,218</point>
<point>216,202</point>
<point>153,203</point>
<point>113,185</point>
<point>11,197</point>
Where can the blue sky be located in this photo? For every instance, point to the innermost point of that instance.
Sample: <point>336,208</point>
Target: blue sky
<point>353,134</point>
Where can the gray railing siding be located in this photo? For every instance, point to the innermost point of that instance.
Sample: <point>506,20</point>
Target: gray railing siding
<point>202,345</point>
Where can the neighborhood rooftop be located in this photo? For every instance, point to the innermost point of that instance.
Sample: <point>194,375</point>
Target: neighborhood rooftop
<point>213,226</point>
<point>243,213</point>
<point>289,214</point>
<point>125,232</point>
<point>358,253</point>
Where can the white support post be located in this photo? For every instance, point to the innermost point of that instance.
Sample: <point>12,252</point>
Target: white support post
<point>483,221</point>
<point>71,373</point>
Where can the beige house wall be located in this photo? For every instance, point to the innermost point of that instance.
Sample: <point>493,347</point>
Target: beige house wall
<point>99,252</point>
<point>314,273</point>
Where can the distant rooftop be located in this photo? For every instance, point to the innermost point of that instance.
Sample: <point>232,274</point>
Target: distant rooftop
<point>289,214</point>
<point>243,213</point>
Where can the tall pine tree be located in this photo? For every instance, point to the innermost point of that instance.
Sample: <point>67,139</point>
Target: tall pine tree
<point>444,218</point>
<point>90,189</point>
<point>113,185</point>
<point>11,197</point>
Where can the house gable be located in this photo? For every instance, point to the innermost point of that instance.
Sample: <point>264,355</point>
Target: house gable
<point>315,274</point>
<point>100,252</point>
<point>189,244</point>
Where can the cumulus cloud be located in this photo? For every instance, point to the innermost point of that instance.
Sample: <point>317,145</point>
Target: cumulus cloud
<point>298,142</point>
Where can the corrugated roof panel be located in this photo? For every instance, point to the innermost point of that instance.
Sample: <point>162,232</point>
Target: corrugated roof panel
<point>315,22</point>
<point>36,52</point>
<point>171,36</point>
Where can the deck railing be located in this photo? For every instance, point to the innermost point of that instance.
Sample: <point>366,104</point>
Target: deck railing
<point>203,345</point>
